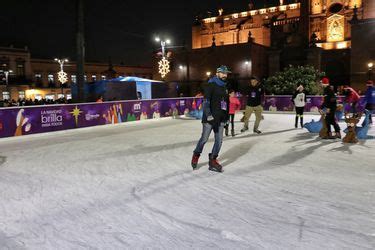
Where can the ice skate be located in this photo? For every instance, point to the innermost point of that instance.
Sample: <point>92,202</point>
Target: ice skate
<point>214,165</point>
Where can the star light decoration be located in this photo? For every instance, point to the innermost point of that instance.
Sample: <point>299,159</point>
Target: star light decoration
<point>62,76</point>
<point>164,67</point>
<point>76,113</point>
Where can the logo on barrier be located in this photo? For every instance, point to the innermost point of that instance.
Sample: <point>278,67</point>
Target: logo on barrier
<point>137,107</point>
<point>51,118</point>
<point>90,117</point>
<point>1,126</point>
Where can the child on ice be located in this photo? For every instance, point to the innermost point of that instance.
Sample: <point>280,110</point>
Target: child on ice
<point>234,105</point>
<point>299,101</point>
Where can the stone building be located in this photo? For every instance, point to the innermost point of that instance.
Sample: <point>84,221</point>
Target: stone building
<point>335,36</point>
<point>37,78</point>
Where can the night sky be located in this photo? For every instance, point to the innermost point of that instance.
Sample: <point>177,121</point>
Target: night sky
<point>118,29</point>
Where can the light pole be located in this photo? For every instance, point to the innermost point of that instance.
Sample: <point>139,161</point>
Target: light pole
<point>7,76</point>
<point>164,67</point>
<point>61,75</point>
<point>370,65</point>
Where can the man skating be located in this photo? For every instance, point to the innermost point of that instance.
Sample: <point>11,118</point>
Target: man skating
<point>215,116</point>
<point>254,101</point>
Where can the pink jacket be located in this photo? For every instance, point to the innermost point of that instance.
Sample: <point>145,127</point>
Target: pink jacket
<point>234,105</point>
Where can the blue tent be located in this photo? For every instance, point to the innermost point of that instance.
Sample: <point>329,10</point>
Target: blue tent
<point>106,87</point>
<point>143,85</point>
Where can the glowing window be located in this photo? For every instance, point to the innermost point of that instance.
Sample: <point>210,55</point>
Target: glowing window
<point>244,14</point>
<point>293,6</point>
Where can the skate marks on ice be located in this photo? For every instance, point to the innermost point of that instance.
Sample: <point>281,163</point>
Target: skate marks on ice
<point>301,225</point>
<point>3,159</point>
<point>251,134</point>
<point>235,152</point>
<point>295,153</point>
<point>157,186</point>
<point>41,141</point>
<point>7,242</point>
<point>291,156</point>
<point>141,149</point>
<point>312,227</point>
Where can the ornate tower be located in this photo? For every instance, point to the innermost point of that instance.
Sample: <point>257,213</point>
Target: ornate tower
<point>329,22</point>
<point>316,7</point>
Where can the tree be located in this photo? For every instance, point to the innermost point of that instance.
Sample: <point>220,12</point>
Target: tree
<point>286,82</point>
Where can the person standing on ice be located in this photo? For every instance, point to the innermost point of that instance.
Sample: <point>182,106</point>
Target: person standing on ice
<point>299,101</point>
<point>215,116</point>
<point>234,105</point>
<point>370,98</point>
<point>330,104</point>
<point>254,101</point>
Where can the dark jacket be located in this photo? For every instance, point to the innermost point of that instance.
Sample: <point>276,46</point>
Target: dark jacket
<point>370,95</point>
<point>255,95</point>
<point>216,101</point>
<point>330,99</point>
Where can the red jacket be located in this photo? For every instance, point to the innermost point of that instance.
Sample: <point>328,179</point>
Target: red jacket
<point>234,105</point>
<point>351,95</point>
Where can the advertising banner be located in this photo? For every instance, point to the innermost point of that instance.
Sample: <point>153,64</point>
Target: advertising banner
<point>40,119</point>
<point>17,121</point>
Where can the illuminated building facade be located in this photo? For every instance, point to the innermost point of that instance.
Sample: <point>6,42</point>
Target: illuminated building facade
<point>305,32</point>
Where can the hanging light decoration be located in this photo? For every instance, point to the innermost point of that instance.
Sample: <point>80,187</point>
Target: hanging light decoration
<point>164,67</point>
<point>164,64</point>
<point>62,77</point>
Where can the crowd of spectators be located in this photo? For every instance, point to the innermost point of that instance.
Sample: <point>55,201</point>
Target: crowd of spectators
<point>31,102</point>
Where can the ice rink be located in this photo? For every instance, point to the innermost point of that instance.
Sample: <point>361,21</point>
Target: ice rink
<point>130,186</point>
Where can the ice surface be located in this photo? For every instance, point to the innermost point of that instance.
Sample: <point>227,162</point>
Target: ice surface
<point>131,187</point>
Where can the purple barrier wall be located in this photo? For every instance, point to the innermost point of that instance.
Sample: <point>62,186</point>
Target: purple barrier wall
<point>40,119</point>
<point>284,103</point>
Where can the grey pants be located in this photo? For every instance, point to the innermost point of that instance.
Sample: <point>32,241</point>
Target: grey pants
<point>258,116</point>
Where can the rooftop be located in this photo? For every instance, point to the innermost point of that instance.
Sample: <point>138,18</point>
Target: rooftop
<point>262,11</point>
